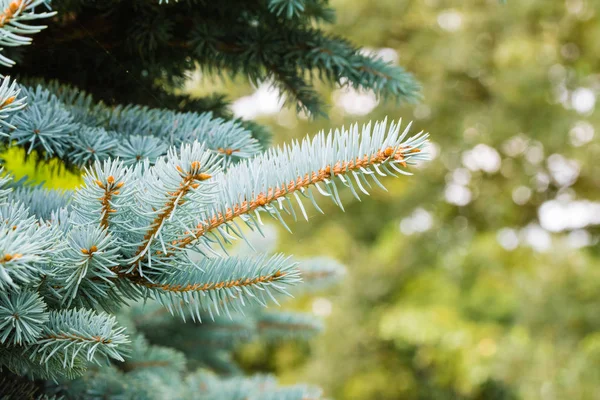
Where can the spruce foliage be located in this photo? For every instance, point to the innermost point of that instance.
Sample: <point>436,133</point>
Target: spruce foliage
<point>128,287</point>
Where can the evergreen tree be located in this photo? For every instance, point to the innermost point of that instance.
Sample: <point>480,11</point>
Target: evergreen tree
<point>129,287</point>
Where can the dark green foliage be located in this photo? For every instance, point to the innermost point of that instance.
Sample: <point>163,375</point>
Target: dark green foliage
<point>150,47</point>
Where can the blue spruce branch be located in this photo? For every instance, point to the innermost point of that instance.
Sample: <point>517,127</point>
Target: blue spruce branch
<point>14,19</point>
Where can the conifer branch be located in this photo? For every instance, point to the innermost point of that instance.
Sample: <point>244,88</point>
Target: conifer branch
<point>111,188</point>
<point>204,287</point>
<point>190,179</point>
<point>353,156</point>
<point>41,202</point>
<point>144,356</point>
<point>275,326</point>
<point>65,123</point>
<point>10,101</point>
<point>73,334</point>
<point>107,191</point>
<point>22,317</point>
<point>68,341</point>
<point>13,27</point>
<point>164,185</point>
<point>223,284</point>
<point>320,272</point>
<point>9,12</point>
<point>172,179</point>
<point>83,266</point>
<point>25,247</point>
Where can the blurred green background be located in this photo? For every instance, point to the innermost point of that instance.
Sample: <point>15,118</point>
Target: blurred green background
<point>479,277</point>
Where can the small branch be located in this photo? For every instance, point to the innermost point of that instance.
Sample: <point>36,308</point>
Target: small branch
<point>372,71</point>
<point>9,12</point>
<point>110,190</point>
<point>176,198</point>
<point>74,337</point>
<point>263,199</point>
<point>202,287</point>
<point>227,151</point>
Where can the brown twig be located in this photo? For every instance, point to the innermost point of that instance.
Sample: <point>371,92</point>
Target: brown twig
<point>110,189</point>
<point>199,287</point>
